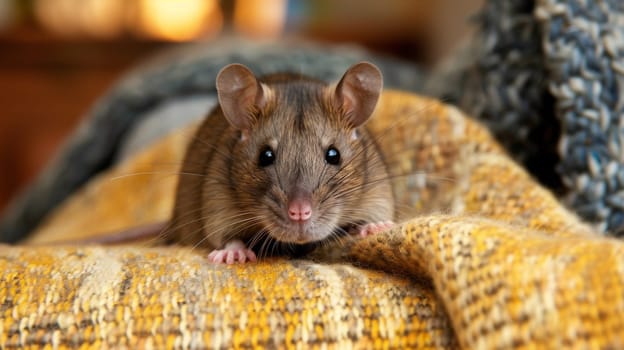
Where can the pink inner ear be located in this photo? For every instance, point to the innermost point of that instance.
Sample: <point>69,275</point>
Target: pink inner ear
<point>348,103</point>
<point>239,93</point>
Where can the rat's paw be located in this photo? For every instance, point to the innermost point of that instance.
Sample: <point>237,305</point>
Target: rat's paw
<point>233,252</point>
<point>230,256</point>
<point>375,227</point>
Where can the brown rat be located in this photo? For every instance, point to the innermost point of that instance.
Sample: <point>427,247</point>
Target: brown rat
<point>283,161</point>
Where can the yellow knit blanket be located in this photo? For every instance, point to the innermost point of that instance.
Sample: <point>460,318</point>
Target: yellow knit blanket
<point>483,258</point>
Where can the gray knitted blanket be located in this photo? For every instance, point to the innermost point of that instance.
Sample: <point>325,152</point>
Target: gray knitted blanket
<point>546,76</point>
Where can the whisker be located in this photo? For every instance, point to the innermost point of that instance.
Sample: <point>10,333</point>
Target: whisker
<point>142,173</point>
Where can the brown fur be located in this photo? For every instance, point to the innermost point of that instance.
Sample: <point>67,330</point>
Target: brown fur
<point>223,193</point>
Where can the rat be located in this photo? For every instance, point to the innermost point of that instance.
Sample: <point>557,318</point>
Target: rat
<point>283,161</point>
<point>280,165</point>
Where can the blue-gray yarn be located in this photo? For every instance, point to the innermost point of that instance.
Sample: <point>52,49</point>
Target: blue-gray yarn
<point>547,77</point>
<point>501,80</point>
<point>584,54</point>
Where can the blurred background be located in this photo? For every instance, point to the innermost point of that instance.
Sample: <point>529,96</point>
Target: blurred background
<point>58,56</point>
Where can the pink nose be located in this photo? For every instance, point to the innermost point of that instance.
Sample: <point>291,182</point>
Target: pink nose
<point>299,210</point>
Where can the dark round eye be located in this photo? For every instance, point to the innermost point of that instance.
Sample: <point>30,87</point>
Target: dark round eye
<point>267,157</point>
<point>332,156</point>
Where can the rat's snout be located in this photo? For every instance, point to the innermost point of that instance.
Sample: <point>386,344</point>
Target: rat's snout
<point>300,206</point>
<point>299,210</point>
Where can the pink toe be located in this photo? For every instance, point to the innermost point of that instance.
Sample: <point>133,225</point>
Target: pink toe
<point>216,256</point>
<point>363,231</point>
<point>250,255</point>
<point>229,259</point>
<point>231,254</point>
<point>374,228</point>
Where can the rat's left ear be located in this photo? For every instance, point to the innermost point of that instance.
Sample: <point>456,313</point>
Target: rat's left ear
<point>357,92</point>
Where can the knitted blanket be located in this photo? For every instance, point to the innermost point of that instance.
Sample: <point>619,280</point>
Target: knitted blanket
<point>483,258</point>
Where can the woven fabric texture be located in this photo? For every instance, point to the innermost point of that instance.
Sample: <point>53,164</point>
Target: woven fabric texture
<point>484,258</point>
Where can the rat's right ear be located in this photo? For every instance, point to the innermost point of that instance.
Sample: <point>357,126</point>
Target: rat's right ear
<point>358,91</point>
<point>240,93</point>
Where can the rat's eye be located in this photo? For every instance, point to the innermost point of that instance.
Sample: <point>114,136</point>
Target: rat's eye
<point>267,157</point>
<point>332,156</point>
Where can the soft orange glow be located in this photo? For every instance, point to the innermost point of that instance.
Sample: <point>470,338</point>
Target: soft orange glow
<point>179,20</point>
<point>260,18</point>
<point>54,14</point>
<point>97,18</point>
<point>102,18</point>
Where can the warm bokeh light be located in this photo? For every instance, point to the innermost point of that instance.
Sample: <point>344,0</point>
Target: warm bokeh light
<point>54,15</point>
<point>175,20</point>
<point>101,18</point>
<point>260,18</point>
<point>179,20</point>
<point>94,18</point>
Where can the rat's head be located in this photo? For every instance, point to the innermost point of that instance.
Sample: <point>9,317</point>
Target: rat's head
<point>301,158</point>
